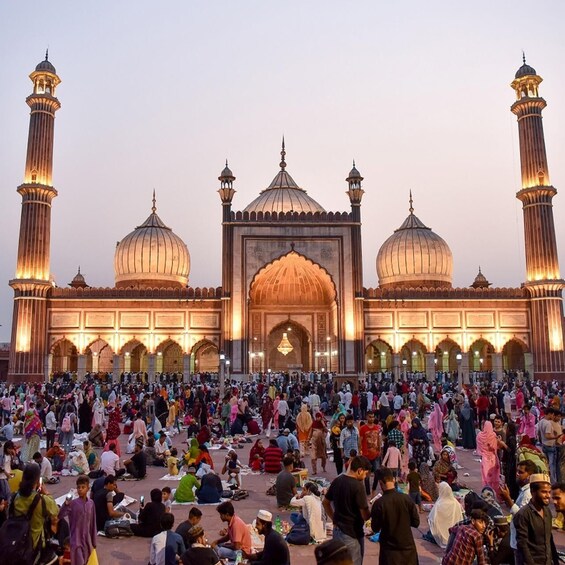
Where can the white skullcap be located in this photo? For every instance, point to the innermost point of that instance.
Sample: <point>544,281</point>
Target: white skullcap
<point>265,515</point>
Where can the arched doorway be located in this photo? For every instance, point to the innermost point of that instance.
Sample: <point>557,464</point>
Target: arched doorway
<point>378,357</point>
<point>65,357</point>
<point>446,356</point>
<point>480,355</point>
<point>205,356</point>
<point>171,353</point>
<point>513,358</point>
<point>99,357</point>
<point>298,290</point>
<point>413,357</point>
<point>135,357</point>
<point>289,348</point>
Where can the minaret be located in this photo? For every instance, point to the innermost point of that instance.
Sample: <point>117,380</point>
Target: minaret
<point>355,193</point>
<point>29,324</point>
<point>543,280</point>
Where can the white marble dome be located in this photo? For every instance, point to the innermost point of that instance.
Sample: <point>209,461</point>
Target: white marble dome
<point>414,256</point>
<point>152,256</point>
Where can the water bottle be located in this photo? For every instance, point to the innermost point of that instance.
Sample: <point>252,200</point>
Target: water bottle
<point>142,501</point>
<point>278,525</point>
<point>238,557</point>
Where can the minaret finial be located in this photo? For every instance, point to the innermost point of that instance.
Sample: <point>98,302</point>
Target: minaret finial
<point>411,204</point>
<point>226,161</point>
<point>523,57</point>
<point>353,163</point>
<point>154,207</point>
<point>79,269</point>
<point>480,270</point>
<point>47,54</point>
<point>283,155</point>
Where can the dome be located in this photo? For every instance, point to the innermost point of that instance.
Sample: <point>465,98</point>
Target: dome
<point>152,256</point>
<point>525,70</point>
<point>414,256</point>
<point>480,281</point>
<point>78,281</point>
<point>46,66</point>
<point>283,195</point>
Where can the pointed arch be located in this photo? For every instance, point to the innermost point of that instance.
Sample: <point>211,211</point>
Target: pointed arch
<point>446,355</point>
<point>513,355</point>
<point>292,279</point>
<point>99,356</point>
<point>171,353</point>
<point>302,350</point>
<point>205,356</point>
<point>480,355</point>
<point>65,356</point>
<point>378,356</point>
<point>413,356</point>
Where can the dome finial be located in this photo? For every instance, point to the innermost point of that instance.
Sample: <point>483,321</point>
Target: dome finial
<point>411,209</point>
<point>523,57</point>
<point>154,207</point>
<point>283,155</point>
<point>47,54</point>
<point>79,269</point>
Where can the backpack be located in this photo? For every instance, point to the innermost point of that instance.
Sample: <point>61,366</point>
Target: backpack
<point>66,425</point>
<point>16,544</point>
<point>117,528</point>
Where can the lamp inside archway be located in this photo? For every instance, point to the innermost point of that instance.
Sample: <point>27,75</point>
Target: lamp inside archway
<point>284,347</point>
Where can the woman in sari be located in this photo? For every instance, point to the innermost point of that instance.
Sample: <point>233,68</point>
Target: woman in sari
<point>418,439</point>
<point>445,514</point>
<point>203,457</point>
<point>487,446</point>
<point>193,452</point>
<point>318,441</point>
<point>32,434</point>
<point>257,449</point>
<point>467,422</point>
<point>303,427</point>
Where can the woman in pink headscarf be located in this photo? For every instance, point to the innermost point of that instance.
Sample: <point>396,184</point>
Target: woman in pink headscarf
<point>487,446</point>
<point>435,425</point>
<point>405,425</point>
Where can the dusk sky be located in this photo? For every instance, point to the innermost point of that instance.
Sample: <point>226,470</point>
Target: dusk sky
<point>156,95</point>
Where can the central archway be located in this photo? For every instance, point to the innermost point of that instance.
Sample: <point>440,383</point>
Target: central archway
<point>296,296</point>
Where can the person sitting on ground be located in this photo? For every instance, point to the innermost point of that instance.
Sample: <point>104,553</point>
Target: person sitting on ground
<point>445,513</point>
<point>166,546</point>
<point>210,491</point>
<point>167,498</point>
<point>309,501</point>
<point>233,468</point>
<point>91,456</point>
<point>149,519</point>
<point>273,457</point>
<point>173,462</point>
<point>275,551</point>
<point>57,456</point>
<point>104,503</point>
<point>149,452</point>
<point>194,518</point>
<point>185,490</point>
<point>96,436</point>
<point>110,462</point>
<point>160,449</point>
<point>443,469</point>
<point>286,483</point>
<point>298,463</point>
<point>45,468</point>
<point>236,537</point>
<point>468,543</point>
<point>204,457</point>
<point>136,466</point>
<point>198,552</point>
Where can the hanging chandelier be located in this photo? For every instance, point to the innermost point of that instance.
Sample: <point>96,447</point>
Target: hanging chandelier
<point>285,347</point>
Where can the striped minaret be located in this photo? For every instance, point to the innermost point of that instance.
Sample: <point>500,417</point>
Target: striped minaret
<point>28,349</point>
<point>543,280</point>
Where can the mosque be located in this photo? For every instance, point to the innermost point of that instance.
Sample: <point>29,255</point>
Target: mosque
<point>291,296</point>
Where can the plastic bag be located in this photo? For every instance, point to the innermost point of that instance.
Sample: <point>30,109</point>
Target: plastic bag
<point>93,559</point>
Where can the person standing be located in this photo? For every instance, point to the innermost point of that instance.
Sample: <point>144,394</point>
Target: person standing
<point>318,434</point>
<point>50,428</point>
<point>534,540</point>
<point>346,505</point>
<point>349,438</point>
<point>304,428</point>
<point>393,515</point>
<point>82,522</point>
<point>549,430</point>
<point>371,444</point>
<point>487,447</point>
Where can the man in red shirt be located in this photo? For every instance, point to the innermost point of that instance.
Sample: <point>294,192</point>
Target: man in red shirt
<point>371,443</point>
<point>482,407</point>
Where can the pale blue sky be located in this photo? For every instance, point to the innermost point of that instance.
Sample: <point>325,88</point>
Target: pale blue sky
<point>158,94</point>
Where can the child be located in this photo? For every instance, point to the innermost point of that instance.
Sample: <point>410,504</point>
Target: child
<point>392,459</point>
<point>167,498</point>
<point>257,463</point>
<point>232,467</point>
<point>173,462</point>
<point>298,463</point>
<point>82,522</point>
<point>414,482</point>
<point>352,454</point>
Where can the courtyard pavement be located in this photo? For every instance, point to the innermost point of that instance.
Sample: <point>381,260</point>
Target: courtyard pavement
<point>135,551</point>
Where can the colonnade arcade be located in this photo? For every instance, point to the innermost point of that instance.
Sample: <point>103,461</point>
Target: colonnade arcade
<point>414,357</point>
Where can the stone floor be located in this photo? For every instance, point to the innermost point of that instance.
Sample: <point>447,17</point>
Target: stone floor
<point>135,551</point>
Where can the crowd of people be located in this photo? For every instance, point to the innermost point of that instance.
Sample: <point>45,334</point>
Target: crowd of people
<point>393,444</point>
